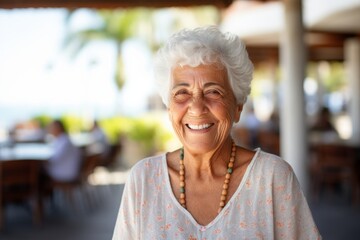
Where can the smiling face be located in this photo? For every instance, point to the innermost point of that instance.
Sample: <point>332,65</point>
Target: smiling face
<point>202,107</point>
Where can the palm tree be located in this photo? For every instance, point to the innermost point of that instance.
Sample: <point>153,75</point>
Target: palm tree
<point>117,26</point>
<point>121,24</point>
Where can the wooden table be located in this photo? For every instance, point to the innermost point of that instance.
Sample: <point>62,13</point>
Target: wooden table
<point>335,162</point>
<point>26,151</point>
<point>20,169</point>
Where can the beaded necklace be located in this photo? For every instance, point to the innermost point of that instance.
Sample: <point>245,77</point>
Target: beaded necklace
<point>225,187</point>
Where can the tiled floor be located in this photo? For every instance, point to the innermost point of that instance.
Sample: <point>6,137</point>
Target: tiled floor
<point>79,222</point>
<point>334,215</point>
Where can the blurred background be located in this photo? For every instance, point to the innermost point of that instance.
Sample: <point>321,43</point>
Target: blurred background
<point>92,61</point>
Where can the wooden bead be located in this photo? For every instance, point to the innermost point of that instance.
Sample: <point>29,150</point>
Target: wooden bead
<point>227,176</point>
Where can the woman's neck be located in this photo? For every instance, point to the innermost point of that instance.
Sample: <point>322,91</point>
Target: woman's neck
<point>208,165</point>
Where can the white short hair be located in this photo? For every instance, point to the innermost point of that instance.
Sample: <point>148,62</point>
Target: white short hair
<point>205,46</point>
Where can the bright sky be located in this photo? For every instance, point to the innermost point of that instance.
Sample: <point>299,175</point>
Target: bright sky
<point>38,76</point>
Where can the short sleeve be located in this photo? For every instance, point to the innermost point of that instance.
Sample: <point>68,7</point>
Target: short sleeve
<point>292,216</point>
<point>126,219</point>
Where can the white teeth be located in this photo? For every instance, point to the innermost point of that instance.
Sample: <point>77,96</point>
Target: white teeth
<point>199,127</point>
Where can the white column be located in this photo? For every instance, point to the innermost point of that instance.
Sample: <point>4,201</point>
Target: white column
<point>352,61</point>
<point>292,110</point>
<point>272,67</point>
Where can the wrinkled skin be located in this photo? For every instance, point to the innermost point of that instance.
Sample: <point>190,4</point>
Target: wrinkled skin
<point>202,107</point>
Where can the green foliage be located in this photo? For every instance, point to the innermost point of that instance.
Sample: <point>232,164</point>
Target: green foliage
<point>43,120</point>
<point>149,133</point>
<point>119,74</point>
<point>331,73</point>
<point>117,26</point>
<point>146,130</point>
<point>121,24</point>
<point>311,70</point>
<point>334,79</point>
<point>114,127</point>
<point>73,123</point>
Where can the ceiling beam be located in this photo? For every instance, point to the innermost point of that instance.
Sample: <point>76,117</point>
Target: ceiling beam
<point>259,54</point>
<point>9,4</point>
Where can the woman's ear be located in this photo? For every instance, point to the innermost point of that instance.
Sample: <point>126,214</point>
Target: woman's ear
<point>238,111</point>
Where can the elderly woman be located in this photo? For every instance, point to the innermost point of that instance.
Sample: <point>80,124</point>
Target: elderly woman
<point>210,188</point>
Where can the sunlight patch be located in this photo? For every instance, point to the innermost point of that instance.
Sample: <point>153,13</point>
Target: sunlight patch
<point>103,176</point>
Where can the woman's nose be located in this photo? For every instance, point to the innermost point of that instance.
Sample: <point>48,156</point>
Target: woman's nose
<point>197,106</point>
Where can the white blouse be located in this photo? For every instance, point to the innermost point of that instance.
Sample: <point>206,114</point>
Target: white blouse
<point>268,204</point>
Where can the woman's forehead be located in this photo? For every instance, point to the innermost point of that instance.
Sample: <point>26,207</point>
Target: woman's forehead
<point>204,73</point>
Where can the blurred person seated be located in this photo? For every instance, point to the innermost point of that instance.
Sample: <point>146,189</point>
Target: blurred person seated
<point>64,165</point>
<point>100,141</point>
<point>323,122</point>
<point>323,128</point>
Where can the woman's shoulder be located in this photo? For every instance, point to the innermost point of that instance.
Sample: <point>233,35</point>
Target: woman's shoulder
<point>148,165</point>
<point>271,163</point>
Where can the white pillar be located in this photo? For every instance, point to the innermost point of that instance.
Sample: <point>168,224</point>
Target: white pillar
<point>352,58</point>
<point>272,67</point>
<point>292,111</point>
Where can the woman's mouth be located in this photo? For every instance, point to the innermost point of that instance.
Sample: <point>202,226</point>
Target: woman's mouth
<point>199,126</point>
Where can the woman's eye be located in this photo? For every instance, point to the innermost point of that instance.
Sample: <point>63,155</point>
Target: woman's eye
<point>215,94</point>
<point>181,95</point>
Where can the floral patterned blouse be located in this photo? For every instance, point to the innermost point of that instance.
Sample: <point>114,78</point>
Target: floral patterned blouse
<point>268,204</point>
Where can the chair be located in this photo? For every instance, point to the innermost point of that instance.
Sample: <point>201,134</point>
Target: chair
<point>110,159</point>
<point>333,165</point>
<point>19,182</point>
<point>89,163</point>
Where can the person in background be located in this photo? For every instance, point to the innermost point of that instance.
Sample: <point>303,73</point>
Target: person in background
<point>64,164</point>
<point>323,129</point>
<point>210,188</point>
<point>323,122</point>
<point>101,143</point>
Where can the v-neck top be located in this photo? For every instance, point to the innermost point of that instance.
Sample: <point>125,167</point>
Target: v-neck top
<point>268,204</point>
